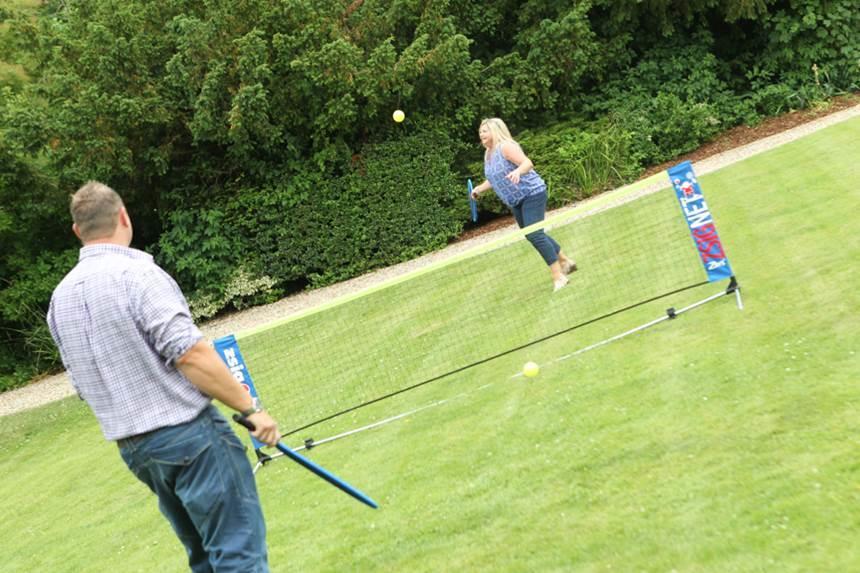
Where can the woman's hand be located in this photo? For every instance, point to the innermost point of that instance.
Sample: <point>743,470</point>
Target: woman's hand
<point>476,191</point>
<point>514,153</point>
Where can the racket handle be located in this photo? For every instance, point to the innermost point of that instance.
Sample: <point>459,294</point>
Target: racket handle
<point>243,421</point>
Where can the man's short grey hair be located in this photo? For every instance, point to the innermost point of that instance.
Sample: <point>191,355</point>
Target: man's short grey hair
<point>94,208</point>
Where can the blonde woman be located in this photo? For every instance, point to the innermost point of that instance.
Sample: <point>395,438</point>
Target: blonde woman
<point>512,176</point>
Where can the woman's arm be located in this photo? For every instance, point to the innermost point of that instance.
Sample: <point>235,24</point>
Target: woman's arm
<point>485,186</point>
<point>512,151</point>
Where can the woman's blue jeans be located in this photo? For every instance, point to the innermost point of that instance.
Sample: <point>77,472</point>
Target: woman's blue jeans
<point>529,211</point>
<point>206,489</point>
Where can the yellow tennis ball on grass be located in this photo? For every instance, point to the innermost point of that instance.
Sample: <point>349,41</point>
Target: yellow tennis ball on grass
<point>531,369</point>
<point>398,115</point>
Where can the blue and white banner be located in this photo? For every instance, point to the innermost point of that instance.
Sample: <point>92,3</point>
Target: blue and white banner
<point>700,222</point>
<point>228,349</point>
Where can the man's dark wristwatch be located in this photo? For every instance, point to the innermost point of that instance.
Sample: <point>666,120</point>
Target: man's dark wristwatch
<point>256,407</point>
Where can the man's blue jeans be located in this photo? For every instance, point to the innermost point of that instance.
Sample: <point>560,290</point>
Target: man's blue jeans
<point>529,211</point>
<point>206,489</point>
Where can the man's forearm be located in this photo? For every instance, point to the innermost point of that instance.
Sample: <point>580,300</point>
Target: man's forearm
<point>203,368</point>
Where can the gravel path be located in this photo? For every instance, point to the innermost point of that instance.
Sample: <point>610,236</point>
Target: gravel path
<point>57,387</point>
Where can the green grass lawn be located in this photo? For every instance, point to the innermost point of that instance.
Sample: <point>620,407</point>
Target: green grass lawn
<point>725,440</point>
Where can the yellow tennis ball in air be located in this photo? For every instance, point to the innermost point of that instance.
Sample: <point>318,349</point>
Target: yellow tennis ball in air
<point>398,115</point>
<point>531,369</point>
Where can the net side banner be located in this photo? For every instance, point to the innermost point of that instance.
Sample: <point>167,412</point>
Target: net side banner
<point>228,349</point>
<point>700,222</point>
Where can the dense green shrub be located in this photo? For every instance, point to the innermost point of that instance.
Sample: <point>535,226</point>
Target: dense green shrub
<point>205,255</point>
<point>770,99</point>
<point>253,144</point>
<point>672,100</point>
<point>27,347</point>
<point>802,34</point>
<point>196,247</point>
<point>38,248</point>
<point>664,126</point>
<point>397,200</point>
<point>11,78</point>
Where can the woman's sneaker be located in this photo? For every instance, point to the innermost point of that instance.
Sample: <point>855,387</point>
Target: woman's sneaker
<point>568,267</point>
<point>560,283</point>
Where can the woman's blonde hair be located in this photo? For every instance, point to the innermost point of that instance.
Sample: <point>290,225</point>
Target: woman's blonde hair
<point>497,129</point>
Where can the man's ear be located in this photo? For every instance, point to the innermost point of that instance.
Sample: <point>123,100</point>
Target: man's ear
<point>124,219</point>
<point>77,231</point>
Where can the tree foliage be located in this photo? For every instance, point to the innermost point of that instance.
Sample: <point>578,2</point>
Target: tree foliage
<point>252,139</point>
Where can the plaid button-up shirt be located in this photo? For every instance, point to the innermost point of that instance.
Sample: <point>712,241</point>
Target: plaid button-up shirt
<point>120,322</point>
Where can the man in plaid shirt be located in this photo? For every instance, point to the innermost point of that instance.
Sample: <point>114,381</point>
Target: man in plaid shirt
<point>127,340</point>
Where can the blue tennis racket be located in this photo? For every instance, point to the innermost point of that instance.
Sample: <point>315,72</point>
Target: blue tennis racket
<point>473,205</point>
<point>318,470</point>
